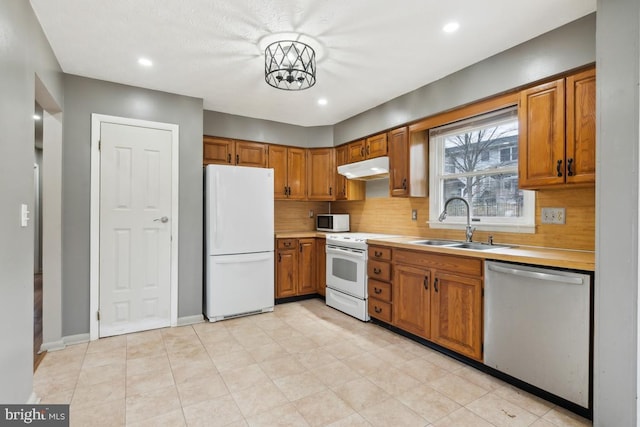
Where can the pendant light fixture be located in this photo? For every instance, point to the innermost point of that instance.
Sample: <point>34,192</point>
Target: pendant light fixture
<point>290,65</point>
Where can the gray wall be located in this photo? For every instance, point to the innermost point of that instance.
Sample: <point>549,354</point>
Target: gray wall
<point>617,222</point>
<point>24,52</point>
<point>83,97</point>
<point>232,126</point>
<point>562,49</point>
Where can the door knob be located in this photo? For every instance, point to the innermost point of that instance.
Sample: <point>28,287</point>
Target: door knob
<point>162,219</point>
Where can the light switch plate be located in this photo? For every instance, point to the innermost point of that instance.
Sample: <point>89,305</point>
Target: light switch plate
<point>553,215</point>
<point>414,214</point>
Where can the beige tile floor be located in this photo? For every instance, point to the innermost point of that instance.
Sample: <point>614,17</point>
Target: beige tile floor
<point>303,365</point>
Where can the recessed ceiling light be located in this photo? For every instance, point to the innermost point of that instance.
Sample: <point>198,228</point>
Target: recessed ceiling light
<point>322,101</point>
<point>36,117</point>
<point>145,62</point>
<point>451,27</point>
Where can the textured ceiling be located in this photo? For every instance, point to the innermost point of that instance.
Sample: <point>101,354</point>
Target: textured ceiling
<point>370,51</point>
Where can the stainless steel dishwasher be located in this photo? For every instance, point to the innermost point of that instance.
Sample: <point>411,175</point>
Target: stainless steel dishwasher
<point>537,327</point>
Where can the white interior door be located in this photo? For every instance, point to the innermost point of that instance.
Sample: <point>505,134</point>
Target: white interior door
<point>135,230</point>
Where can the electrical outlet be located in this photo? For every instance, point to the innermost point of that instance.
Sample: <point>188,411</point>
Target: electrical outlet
<point>414,214</point>
<point>310,214</point>
<point>553,215</point>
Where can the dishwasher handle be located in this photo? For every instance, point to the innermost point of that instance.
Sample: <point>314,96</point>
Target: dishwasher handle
<point>572,280</point>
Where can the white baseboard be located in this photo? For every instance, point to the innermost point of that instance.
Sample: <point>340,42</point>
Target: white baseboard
<point>33,399</point>
<point>52,346</point>
<point>190,320</point>
<point>76,339</point>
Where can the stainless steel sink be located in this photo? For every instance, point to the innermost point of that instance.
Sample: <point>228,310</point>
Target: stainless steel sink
<point>478,246</point>
<point>435,242</point>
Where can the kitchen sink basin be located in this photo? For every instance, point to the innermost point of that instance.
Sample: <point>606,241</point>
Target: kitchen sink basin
<point>435,242</point>
<point>478,246</point>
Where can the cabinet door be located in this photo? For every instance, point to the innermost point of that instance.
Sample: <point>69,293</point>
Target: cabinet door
<point>306,266</point>
<point>356,151</point>
<point>286,272</point>
<point>456,313</point>
<point>342,158</point>
<point>278,161</point>
<point>541,146</point>
<point>398,162</point>
<point>320,174</point>
<point>296,173</point>
<point>581,128</point>
<point>217,151</point>
<point>321,268</point>
<point>411,299</point>
<point>251,154</point>
<point>376,146</point>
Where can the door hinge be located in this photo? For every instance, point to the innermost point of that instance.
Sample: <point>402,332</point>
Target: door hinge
<point>98,314</point>
<point>99,144</point>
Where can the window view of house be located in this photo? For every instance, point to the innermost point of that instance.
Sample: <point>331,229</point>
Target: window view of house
<point>477,159</point>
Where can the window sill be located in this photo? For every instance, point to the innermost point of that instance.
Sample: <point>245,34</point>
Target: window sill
<point>506,228</point>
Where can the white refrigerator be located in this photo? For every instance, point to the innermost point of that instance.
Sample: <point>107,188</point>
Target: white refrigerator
<point>239,241</point>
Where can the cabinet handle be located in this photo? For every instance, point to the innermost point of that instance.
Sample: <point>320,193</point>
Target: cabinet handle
<point>237,159</point>
<point>377,309</point>
<point>330,191</point>
<point>435,284</point>
<point>569,163</point>
<point>362,152</point>
<point>377,290</point>
<point>287,244</point>
<point>300,247</point>
<point>558,168</point>
<point>229,158</point>
<point>367,150</point>
<point>279,257</point>
<point>404,184</point>
<point>289,191</point>
<point>376,270</point>
<point>425,282</point>
<point>377,254</point>
<point>285,190</point>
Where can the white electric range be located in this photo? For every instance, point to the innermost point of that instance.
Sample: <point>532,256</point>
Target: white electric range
<point>347,272</point>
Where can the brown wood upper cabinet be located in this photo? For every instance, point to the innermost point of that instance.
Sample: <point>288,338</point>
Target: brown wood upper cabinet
<point>557,132</point>
<point>346,189</point>
<point>408,160</point>
<point>234,152</point>
<point>320,174</point>
<point>290,172</point>
<point>374,146</point>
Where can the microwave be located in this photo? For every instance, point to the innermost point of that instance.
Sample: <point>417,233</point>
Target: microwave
<point>332,222</point>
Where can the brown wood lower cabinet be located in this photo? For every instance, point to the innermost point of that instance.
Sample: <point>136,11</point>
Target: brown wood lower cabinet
<point>295,267</point>
<point>436,297</point>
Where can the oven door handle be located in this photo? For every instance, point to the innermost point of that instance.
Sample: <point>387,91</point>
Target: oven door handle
<point>351,253</point>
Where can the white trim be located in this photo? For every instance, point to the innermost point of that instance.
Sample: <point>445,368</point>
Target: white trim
<point>75,339</point>
<point>53,345</point>
<point>190,320</point>
<point>94,276</point>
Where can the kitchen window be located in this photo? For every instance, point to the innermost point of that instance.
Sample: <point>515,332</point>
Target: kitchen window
<point>477,159</point>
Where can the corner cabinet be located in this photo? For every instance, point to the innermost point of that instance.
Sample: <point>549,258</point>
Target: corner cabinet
<point>290,172</point>
<point>373,146</point>
<point>320,174</point>
<point>234,152</point>
<point>557,132</point>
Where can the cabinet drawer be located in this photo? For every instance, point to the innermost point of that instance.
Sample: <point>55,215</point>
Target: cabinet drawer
<point>455,264</point>
<point>287,243</point>
<point>378,252</point>
<point>379,270</point>
<point>380,310</point>
<point>379,290</point>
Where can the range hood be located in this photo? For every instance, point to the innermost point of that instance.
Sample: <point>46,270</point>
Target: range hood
<point>376,168</point>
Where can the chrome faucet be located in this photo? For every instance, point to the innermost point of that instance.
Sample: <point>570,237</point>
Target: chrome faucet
<point>469,230</point>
